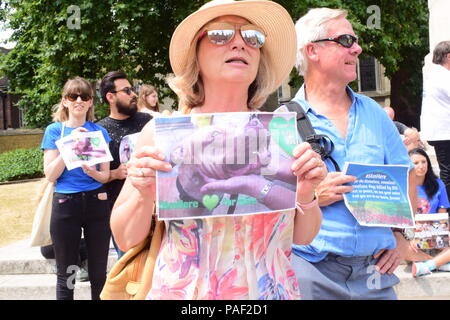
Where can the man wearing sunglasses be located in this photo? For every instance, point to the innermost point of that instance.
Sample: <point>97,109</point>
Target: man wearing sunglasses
<point>345,260</point>
<point>123,120</point>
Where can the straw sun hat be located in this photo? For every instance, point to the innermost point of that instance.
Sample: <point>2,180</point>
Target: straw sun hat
<point>272,18</point>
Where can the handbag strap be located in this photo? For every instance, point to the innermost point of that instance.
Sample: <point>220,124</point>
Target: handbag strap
<point>63,124</point>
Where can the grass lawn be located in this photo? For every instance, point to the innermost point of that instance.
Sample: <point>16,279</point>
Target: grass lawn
<point>17,207</point>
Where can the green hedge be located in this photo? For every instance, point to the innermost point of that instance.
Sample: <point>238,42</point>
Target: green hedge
<point>21,164</point>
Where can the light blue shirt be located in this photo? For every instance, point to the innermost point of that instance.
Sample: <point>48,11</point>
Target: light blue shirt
<point>372,138</point>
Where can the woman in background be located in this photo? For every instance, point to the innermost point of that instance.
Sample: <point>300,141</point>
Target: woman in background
<point>432,198</point>
<point>80,200</point>
<point>148,100</point>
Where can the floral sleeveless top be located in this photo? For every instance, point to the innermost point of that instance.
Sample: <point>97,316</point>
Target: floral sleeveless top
<point>227,258</point>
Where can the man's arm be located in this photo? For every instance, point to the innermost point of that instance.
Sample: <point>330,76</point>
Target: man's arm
<point>118,174</point>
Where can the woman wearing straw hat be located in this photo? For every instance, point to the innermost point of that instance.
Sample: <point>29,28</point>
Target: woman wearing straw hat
<point>228,56</point>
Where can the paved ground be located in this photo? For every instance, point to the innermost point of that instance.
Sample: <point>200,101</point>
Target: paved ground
<point>26,275</point>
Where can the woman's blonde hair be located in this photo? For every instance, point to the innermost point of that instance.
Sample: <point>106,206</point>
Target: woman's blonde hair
<point>189,85</point>
<point>77,85</point>
<point>144,91</point>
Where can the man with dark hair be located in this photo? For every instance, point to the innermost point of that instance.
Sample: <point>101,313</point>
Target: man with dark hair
<point>435,117</point>
<point>123,120</point>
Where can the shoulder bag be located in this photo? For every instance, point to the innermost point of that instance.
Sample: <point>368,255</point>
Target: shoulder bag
<point>40,231</point>
<point>131,277</point>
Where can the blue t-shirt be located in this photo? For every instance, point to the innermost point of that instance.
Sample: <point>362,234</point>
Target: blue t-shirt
<point>438,201</point>
<point>372,138</point>
<point>74,180</point>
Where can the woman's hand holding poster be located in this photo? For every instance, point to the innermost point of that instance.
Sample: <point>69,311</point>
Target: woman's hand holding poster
<point>226,163</point>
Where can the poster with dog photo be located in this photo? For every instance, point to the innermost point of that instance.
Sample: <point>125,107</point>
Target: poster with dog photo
<point>82,147</point>
<point>226,164</point>
<point>126,147</point>
<point>431,231</point>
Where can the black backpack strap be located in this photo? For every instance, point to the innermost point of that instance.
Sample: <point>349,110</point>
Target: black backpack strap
<point>320,143</point>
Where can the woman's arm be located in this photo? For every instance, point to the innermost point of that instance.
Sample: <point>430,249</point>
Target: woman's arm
<point>310,171</point>
<point>53,164</point>
<point>412,189</point>
<point>132,212</point>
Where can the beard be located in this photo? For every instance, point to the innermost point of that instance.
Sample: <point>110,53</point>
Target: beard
<point>128,110</point>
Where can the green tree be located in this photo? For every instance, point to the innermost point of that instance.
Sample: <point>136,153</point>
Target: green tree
<point>59,39</point>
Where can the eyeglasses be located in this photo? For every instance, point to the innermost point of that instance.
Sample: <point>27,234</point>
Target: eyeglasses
<point>345,40</point>
<point>127,90</point>
<point>74,97</point>
<point>221,33</point>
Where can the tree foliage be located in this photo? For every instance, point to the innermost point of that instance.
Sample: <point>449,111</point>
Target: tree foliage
<point>134,36</point>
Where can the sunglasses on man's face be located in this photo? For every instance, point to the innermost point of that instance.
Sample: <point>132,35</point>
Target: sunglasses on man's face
<point>345,40</point>
<point>74,97</point>
<point>221,33</point>
<point>127,90</point>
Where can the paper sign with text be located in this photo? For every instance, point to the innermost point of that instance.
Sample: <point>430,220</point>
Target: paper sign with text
<point>80,148</point>
<point>226,164</point>
<point>380,195</point>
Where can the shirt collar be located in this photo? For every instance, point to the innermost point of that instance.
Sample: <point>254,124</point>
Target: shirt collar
<point>307,107</point>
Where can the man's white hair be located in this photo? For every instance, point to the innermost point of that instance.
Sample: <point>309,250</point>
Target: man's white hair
<point>313,26</point>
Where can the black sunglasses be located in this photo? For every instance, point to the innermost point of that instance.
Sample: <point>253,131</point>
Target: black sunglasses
<point>74,97</point>
<point>345,40</point>
<point>127,90</point>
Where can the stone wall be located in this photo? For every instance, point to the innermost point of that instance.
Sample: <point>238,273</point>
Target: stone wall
<point>20,139</point>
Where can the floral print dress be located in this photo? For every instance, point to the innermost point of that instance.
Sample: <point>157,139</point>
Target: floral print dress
<point>238,257</point>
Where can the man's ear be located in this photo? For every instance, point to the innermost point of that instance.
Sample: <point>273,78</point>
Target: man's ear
<point>311,52</point>
<point>110,97</point>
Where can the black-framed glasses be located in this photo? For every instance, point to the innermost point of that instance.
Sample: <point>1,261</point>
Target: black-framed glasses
<point>127,90</point>
<point>345,40</point>
<point>221,33</point>
<point>74,97</point>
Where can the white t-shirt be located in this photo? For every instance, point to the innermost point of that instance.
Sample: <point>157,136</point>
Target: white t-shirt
<point>435,117</point>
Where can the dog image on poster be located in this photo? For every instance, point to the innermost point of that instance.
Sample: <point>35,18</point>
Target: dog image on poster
<point>226,164</point>
<point>126,147</point>
<point>88,148</point>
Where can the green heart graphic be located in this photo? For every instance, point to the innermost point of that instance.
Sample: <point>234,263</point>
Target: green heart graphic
<point>210,201</point>
<point>284,133</point>
<point>95,141</point>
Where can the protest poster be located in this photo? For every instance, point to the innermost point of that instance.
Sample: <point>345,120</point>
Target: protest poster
<point>126,147</point>
<point>431,231</point>
<point>380,195</point>
<point>226,164</point>
<point>83,147</point>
